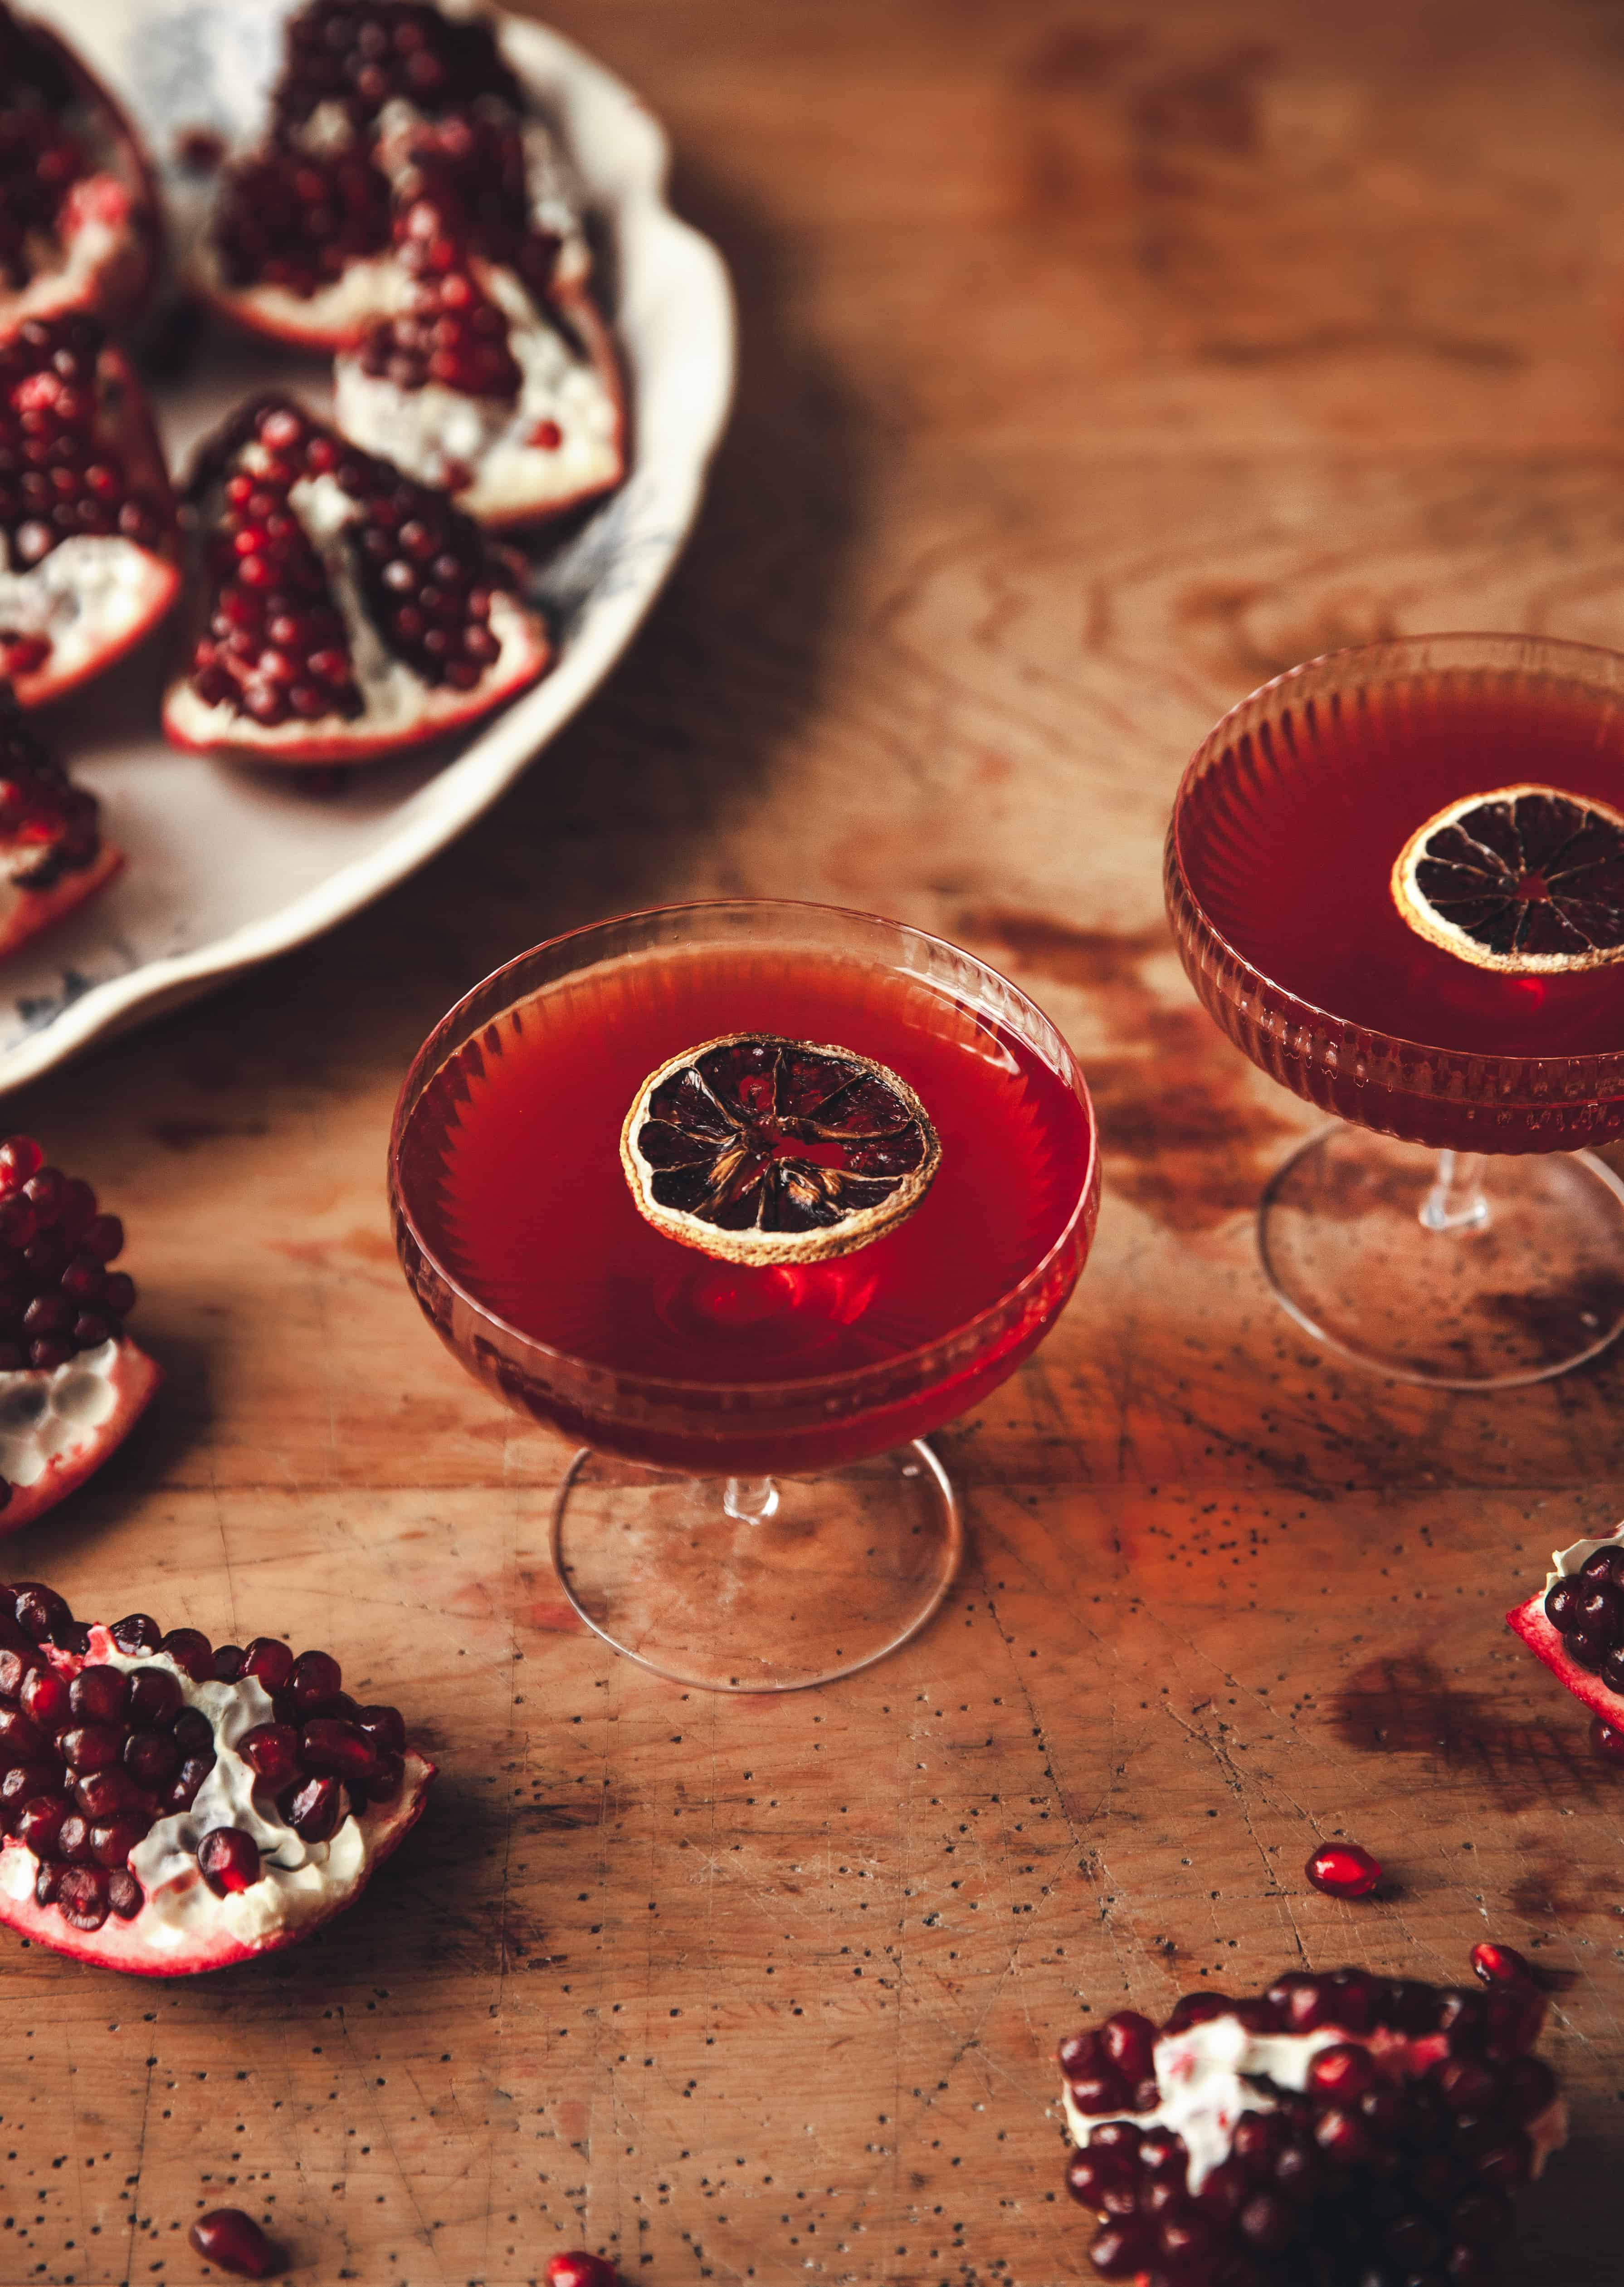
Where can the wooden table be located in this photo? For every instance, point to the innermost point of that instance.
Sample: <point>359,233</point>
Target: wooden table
<point>1096,364</point>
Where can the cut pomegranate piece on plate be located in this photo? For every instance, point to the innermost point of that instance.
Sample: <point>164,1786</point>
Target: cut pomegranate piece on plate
<point>168,1805</point>
<point>71,1383</point>
<point>78,209</point>
<point>343,611</point>
<point>90,550</point>
<point>299,245</point>
<point>1338,2128</point>
<point>52,857</point>
<point>505,391</point>
<point>1576,1624</point>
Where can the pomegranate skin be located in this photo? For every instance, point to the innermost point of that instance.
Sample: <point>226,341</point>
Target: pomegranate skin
<point>1342,1870</point>
<point>234,2241</point>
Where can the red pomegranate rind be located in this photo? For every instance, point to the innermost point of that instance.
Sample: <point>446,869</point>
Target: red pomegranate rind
<point>127,1805</point>
<point>52,854</point>
<point>341,611</point>
<point>130,1380</point>
<point>87,516</point>
<point>1588,1684</point>
<point>79,212</point>
<point>1345,2126</point>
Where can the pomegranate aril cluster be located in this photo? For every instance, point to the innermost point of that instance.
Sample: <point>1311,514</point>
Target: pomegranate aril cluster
<point>360,57</point>
<point>91,1757</point>
<point>60,477</point>
<point>57,1293</point>
<point>453,334</point>
<point>474,167</point>
<point>277,648</point>
<point>41,809</point>
<point>298,218</point>
<point>1587,1611</point>
<point>40,158</point>
<point>1393,2168</point>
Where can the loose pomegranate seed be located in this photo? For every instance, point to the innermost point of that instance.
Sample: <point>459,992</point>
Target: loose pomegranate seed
<point>576,2268</point>
<point>234,2241</point>
<point>1342,1869</point>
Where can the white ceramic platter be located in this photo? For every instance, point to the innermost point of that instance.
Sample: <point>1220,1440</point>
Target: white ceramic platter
<point>229,865</point>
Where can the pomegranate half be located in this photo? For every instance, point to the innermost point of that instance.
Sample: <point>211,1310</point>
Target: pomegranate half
<point>89,547</point>
<point>169,1806</point>
<point>53,857</point>
<point>1336,2129</point>
<point>341,610</point>
<point>71,1383</point>
<point>79,216</point>
<point>1576,1624</point>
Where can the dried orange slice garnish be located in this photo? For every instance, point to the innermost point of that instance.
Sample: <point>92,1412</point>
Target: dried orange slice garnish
<point>1525,879</point>
<point>757,1149</point>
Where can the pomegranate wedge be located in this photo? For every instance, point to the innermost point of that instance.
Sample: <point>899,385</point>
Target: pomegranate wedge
<point>78,209</point>
<point>71,1383</point>
<point>343,612</point>
<point>169,1806</point>
<point>1576,1624</point>
<point>87,516</point>
<point>52,857</point>
<point>499,383</point>
<point>1334,2131</point>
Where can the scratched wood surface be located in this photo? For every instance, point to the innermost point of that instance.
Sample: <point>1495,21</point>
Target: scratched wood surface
<point>1096,362</point>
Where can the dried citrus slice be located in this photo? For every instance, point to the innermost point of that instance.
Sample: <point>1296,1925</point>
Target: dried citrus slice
<point>1525,879</point>
<point>757,1149</point>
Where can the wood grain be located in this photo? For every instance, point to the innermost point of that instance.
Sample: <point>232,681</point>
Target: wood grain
<point>1097,361</point>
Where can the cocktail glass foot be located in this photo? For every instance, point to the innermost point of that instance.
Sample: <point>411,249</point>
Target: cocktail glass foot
<point>1464,1272</point>
<point>757,1584</point>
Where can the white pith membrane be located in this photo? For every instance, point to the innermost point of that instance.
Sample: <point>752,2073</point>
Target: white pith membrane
<point>434,431</point>
<point>299,1881</point>
<point>400,706</point>
<point>88,597</point>
<point>1212,2073</point>
<point>48,1414</point>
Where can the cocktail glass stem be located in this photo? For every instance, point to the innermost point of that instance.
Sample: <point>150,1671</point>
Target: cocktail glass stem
<point>1457,1200</point>
<point>751,1500</point>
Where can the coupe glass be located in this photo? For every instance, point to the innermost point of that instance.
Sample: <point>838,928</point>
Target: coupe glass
<point>1454,1234</point>
<point>755,1534</point>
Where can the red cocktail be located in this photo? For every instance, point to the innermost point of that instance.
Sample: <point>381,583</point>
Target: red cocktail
<point>835,1289</point>
<point>1396,876</point>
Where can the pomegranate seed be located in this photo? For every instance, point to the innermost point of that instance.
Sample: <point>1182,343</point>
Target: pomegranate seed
<point>113,1839</point>
<point>313,1810</point>
<point>190,1651</point>
<point>45,1698</point>
<point>19,1738</point>
<point>99,1695</point>
<point>194,1732</point>
<point>1342,1869</point>
<point>273,1751</point>
<point>269,1661</point>
<point>228,1660</point>
<point>104,1793</point>
<point>313,1679</point>
<point>41,1612</point>
<point>156,1696</point>
<point>576,2268</point>
<point>229,1859</point>
<point>137,1633</point>
<point>125,1894</point>
<point>336,1749</point>
<point>1606,1740</point>
<point>92,1746</point>
<point>388,1777</point>
<point>82,1897</point>
<point>20,1158</point>
<point>151,1757</point>
<point>234,2241</point>
<point>39,1822</point>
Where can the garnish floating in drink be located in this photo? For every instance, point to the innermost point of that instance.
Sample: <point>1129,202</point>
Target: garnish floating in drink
<point>1525,879</point>
<point>756,1149</point>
